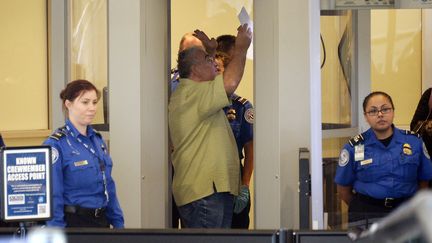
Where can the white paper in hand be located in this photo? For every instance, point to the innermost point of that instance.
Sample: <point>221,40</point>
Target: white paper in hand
<point>244,18</point>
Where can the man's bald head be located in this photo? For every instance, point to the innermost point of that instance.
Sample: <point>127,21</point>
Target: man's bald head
<point>188,41</point>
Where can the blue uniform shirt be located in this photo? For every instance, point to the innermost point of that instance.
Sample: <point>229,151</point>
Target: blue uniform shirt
<point>2,144</point>
<point>77,174</point>
<point>378,171</point>
<point>240,115</point>
<point>174,80</point>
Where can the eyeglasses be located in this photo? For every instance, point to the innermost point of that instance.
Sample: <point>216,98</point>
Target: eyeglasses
<point>383,111</point>
<point>209,59</point>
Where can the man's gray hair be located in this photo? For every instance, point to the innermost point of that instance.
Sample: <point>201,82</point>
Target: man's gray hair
<point>185,60</point>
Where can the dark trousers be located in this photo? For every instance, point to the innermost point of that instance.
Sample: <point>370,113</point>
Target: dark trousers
<point>86,220</point>
<point>241,220</point>
<point>214,211</point>
<point>362,212</point>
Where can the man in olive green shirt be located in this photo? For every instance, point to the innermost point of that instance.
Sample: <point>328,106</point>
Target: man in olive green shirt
<point>205,159</point>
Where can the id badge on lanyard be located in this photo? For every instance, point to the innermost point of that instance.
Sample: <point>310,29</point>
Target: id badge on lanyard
<point>100,160</point>
<point>359,152</point>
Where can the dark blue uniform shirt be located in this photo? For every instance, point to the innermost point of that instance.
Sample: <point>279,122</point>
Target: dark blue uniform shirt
<point>240,115</point>
<point>77,174</point>
<point>379,171</point>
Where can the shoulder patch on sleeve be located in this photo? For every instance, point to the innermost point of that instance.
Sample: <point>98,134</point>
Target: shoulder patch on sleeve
<point>54,155</point>
<point>249,115</point>
<point>344,158</point>
<point>357,139</point>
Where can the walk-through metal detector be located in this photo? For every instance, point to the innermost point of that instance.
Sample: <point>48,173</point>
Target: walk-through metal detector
<point>335,7</point>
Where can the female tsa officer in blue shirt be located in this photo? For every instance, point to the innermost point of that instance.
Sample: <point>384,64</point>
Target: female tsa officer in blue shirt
<point>384,165</point>
<point>84,193</point>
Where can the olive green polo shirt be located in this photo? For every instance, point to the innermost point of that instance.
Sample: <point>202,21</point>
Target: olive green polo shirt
<point>205,156</point>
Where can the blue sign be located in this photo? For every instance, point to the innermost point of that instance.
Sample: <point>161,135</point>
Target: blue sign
<point>26,183</point>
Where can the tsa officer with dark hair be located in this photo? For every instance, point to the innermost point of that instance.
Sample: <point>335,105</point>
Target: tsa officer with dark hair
<point>240,115</point>
<point>382,167</point>
<point>84,193</point>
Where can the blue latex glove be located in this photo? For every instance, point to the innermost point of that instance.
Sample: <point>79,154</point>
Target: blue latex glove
<point>241,201</point>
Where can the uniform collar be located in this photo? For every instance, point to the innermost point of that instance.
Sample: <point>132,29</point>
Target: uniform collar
<point>373,139</point>
<point>74,132</point>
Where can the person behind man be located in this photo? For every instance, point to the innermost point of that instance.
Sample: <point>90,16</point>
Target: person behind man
<point>240,115</point>
<point>384,165</point>
<point>205,157</point>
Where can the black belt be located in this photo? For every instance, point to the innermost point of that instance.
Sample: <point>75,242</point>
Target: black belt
<point>387,202</point>
<point>95,212</point>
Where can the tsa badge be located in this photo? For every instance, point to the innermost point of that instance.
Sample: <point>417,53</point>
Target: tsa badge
<point>343,158</point>
<point>231,114</point>
<point>407,149</point>
<point>249,115</point>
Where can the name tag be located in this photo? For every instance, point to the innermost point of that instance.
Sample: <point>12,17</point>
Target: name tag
<point>366,162</point>
<point>81,163</point>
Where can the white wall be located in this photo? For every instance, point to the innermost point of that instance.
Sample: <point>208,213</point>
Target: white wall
<point>138,100</point>
<point>286,77</point>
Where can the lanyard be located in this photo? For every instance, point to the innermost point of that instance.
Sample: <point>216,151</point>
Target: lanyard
<point>101,161</point>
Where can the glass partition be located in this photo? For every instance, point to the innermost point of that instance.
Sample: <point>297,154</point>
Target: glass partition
<point>88,49</point>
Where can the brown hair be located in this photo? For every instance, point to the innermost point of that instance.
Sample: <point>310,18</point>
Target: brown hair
<point>76,88</point>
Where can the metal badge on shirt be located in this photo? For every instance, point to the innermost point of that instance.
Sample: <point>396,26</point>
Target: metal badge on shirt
<point>407,149</point>
<point>359,152</point>
<point>231,114</point>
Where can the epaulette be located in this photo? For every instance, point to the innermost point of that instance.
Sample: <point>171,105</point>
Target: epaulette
<point>409,132</point>
<point>58,134</point>
<point>357,139</point>
<point>241,100</point>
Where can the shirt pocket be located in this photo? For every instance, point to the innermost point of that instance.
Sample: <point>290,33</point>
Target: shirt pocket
<point>368,169</point>
<point>408,166</point>
<point>81,174</point>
